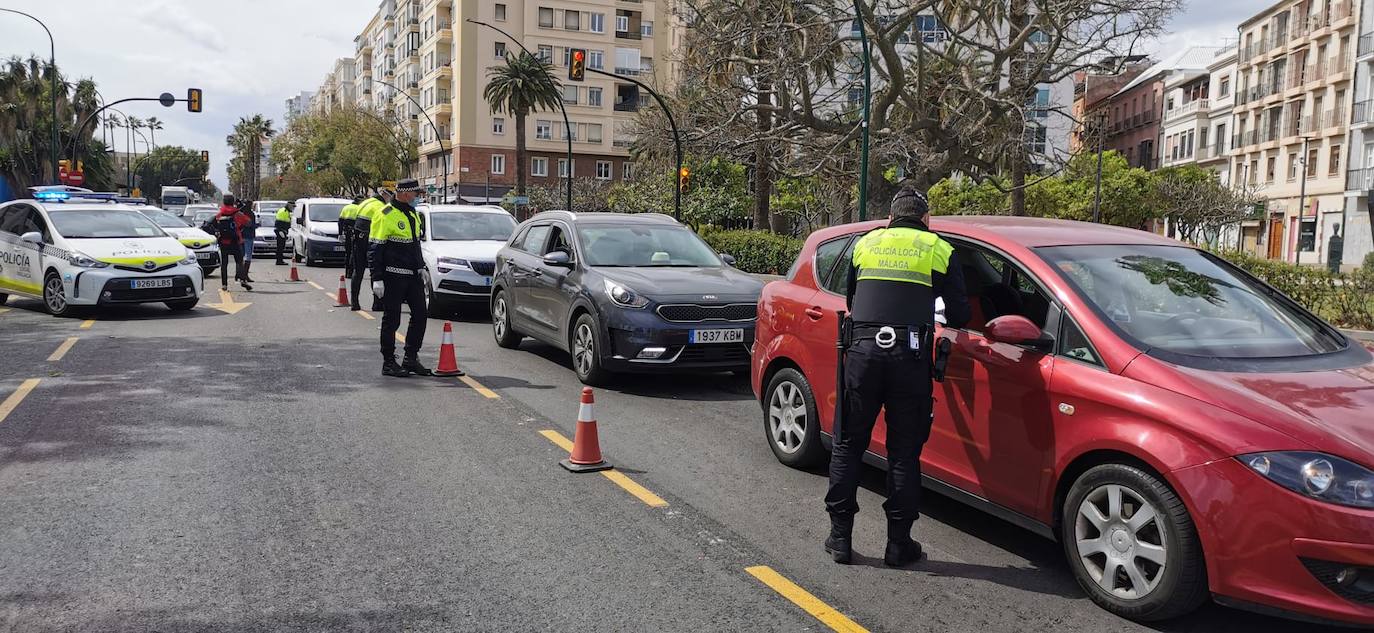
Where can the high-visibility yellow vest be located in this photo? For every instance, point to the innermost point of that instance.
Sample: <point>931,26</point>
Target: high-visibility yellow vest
<point>283,215</point>
<point>901,254</point>
<point>349,212</point>
<point>394,225</point>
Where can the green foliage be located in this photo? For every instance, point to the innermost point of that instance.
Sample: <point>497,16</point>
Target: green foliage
<point>1344,300</point>
<point>718,193</point>
<point>963,196</point>
<point>1368,263</point>
<point>26,124</point>
<point>351,150</point>
<point>589,196</point>
<point>170,165</point>
<point>756,251</point>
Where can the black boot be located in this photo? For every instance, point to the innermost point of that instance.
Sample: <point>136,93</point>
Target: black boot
<point>839,545</point>
<point>413,366</point>
<point>901,549</point>
<point>390,368</point>
<point>247,266</point>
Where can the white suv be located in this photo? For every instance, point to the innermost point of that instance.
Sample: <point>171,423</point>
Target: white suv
<point>459,246</point>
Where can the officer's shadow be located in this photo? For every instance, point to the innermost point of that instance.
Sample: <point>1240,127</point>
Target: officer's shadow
<point>1022,578</point>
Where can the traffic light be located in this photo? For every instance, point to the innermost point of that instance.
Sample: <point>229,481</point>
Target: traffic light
<point>309,167</point>
<point>577,64</point>
<point>193,100</point>
<point>682,176</point>
<point>204,156</point>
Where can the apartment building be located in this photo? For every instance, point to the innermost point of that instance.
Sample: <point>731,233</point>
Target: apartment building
<point>1197,111</point>
<point>298,105</point>
<point>1294,73</point>
<point>337,90</point>
<point>1359,183</point>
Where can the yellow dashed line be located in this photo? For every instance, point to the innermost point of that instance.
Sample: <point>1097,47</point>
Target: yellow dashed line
<point>62,349</point>
<point>330,295</point>
<point>15,398</point>
<point>367,316</point>
<point>802,598</point>
<point>315,285</point>
<point>478,387</point>
<point>86,325</point>
<point>4,310</point>
<point>618,478</point>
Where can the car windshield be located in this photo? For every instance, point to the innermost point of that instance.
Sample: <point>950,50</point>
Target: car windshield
<point>445,226</point>
<point>165,219</point>
<point>324,212</point>
<point>1184,301</point>
<point>263,206</point>
<point>102,224</point>
<point>203,216</point>
<point>267,219</point>
<point>173,199</point>
<point>645,245</point>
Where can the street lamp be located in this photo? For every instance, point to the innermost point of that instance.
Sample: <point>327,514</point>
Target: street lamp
<point>1302,200</point>
<point>868,96</point>
<point>432,126</point>
<point>1100,131</point>
<point>52,68</point>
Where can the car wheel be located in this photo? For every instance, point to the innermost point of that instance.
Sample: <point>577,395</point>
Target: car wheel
<point>790,420</point>
<point>437,304</point>
<point>1132,545</point>
<point>55,296</point>
<point>506,336</point>
<point>3,298</point>
<point>183,305</point>
<point>586,355</point>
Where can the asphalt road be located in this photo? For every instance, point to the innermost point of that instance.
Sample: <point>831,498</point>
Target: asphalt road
<point>254,472</point>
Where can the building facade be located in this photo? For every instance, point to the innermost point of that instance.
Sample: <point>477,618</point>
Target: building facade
<point>1359,183</point>
<point>298,105</point>
<point>337,90</point>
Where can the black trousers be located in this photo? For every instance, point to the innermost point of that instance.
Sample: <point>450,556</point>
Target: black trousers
<point>281,245</point>
<point>227,251</point>
<point>403,290</point>
<point>358,255</point>
<point>346,238</point>
<point>895,378</point>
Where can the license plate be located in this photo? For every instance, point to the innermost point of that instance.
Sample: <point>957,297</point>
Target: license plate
<point>145,284</point>
<point>717,336</point>
<point>205,255</point>
<point>339,249</point>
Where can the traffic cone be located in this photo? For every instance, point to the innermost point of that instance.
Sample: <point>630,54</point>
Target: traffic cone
<point>343,292</point>
<point>294,275</point>
<point>448,358</point>
<point>586,452</point>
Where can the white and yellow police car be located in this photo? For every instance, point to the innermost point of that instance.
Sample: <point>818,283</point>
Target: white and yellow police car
<point>73,252</point>
<point>201,243</point>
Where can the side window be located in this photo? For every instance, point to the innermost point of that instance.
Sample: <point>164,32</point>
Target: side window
<point>35,222</point>
<point>997,288</point>
<point>827,254</point>
<point>1073,344</point>
<point>560,242</point>
<point>12,218</point>
<point>535,239</point>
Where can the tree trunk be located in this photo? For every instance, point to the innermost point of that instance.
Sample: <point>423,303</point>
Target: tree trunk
<point>520,160</point>
<point>1021,89</point>
<point>763,162</point>
<point>1018,183</point>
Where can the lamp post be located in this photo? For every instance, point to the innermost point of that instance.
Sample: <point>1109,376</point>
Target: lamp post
<point>677,138</point>
<point>432,126</point>
<point>1099,130</point>
<point>1302,200</point>
<point>868,96</point>
<point>52,68</point>
<point>394,136</point>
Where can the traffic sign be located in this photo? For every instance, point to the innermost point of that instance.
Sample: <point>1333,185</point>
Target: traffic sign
<point>522,200</point>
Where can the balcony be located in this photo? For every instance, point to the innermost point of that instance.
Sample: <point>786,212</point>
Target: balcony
<point>1360,179</point>
<point>1362,112</point>
<point>432,147</point>
<point>628,72</point>
<point>442,108</point>
<point>1196,106</point>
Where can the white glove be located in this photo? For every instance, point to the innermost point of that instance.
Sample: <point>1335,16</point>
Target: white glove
<point>378,289</point>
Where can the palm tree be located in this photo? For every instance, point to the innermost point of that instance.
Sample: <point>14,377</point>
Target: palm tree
<point>246,142</point>
<point>26,124</point>
<point>524,85</point>
<point>153,124</point>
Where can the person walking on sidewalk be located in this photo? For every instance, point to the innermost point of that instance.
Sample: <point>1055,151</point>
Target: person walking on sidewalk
<point>396,266</point>
<point>228,225</point>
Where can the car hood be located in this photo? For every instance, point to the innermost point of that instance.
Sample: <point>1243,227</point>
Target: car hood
<point>191,237</point>
<point>1328,410</point>
<point>131,251</point>
<point>477,250</point>
<point>696,285</point>
<point>329,228</point>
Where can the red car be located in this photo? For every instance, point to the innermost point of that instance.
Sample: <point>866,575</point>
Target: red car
<point>1184,429</point>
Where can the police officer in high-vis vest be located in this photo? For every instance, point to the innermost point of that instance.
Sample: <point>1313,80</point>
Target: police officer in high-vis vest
<point>895,276</point>
<point>346,216</point>
<point>282,227</point>
<point>398,269</point>
<point>362,229</point>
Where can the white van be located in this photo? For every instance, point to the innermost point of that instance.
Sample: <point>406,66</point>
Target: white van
<point>315,230</point>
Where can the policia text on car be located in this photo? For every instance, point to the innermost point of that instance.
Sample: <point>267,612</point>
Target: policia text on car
<point>398,269</point>
<point>886,361</point>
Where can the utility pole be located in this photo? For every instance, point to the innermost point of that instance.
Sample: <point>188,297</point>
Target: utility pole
<point>868,97</point>
<point>1100,132</point>
<point>1302,200</point>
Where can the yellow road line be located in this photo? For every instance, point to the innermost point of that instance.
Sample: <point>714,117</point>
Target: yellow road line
<point>330,295</point>
<point>479,387</point>
<point>365,315</point>
<point>15,398</point>
<point>317,286</point>
<point>62,349</point>
<point>86,325</point>
<point>616,477</point>
<point>802,598</point>
<point>4,310</point>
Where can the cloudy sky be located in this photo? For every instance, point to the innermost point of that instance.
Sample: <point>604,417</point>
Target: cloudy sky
<point>251,55</point>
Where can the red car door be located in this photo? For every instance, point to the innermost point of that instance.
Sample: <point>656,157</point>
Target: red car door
<point>820,312</point>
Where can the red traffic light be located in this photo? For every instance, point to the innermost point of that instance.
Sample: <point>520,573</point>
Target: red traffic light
<point>577,64</point>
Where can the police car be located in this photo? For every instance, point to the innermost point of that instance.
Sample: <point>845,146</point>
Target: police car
<point>77,250</point>
<point>201,243</point>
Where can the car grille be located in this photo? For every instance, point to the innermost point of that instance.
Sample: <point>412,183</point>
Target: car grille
<point>459,286</point>
<point>695,313</point>
<point>715,354</point>
<point>1362,591</point>
<point>140,269</point>
<point>486,269</point>
<point>119,291</point>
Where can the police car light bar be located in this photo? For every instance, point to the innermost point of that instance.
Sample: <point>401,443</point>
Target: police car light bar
<point>51,196</point>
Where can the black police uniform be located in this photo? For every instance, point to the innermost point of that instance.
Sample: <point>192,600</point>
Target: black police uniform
<point>894,374</point>
<point>394,258</point>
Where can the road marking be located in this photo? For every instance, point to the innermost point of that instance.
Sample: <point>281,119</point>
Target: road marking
<point>86,325</point>
<point>4,310</point>
<point>802,598</point>
<point>367,316</point>
<point>330,295</point>
<point>618,478</point>
<point>478,387</point>
<point>62,349</point>
<point>227,304</point>
<point>15,398</point>
<point>317,286</point>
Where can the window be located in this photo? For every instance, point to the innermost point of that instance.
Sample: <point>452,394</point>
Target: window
<point>594,97</point>
<point>1074,344</point>
<point>546,53</point>
<point>1036,139</point>
<point>646,28</point>
<point>603,170</point>
<point>539,166</point>
<point>563,131</point>
<point>627,170</point>
<point>572,20</point>
<point>927,28</point>
<point>1269,172</point>
<point>563,168</point>
<point>543,130</point>
<point>1224,88</point>
<point>1292,166</point>
<point>830,277</point>
<point>545,17</point>
<point>1334,165</point>
<point>998,288</point>
<point>558,241</point>
<point>593,132</point>
<point>622,23</point>
<point>596,59</point>
<point>1040,104</point>
<point>498,164</point>
<point>1311,163</point>
<point>500,12</point>
<point>597,23</point>
<point>501,50</point>
<point>498,126</point>
<point>569,94</point>
<point>534,239</point>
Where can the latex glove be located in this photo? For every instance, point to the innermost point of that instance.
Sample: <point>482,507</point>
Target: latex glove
<point>940,311</point>
<point>378,289</point>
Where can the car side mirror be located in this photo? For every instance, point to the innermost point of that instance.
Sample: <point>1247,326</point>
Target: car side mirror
<point>1015,329</point>
<point>32,237</point>
<point>727,258</point>
<point>559,259</point>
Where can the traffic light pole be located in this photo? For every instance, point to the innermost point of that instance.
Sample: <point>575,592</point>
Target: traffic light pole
<point>868,97</point>
<point>76,134</point>
<point>677,137</point>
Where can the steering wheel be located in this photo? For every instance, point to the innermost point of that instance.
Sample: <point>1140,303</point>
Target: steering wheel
<point>1177,319</point>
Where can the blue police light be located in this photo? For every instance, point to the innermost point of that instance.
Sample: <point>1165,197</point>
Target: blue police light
<point>52,196</point>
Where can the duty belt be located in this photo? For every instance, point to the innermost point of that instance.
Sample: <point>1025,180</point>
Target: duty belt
<point>888,336</point>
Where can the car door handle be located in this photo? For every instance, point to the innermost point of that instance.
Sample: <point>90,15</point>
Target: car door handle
<point>815,313</point>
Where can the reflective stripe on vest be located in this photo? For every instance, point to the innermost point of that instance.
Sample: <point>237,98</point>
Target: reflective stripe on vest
<point>901,254</point>
<point>393,225</point>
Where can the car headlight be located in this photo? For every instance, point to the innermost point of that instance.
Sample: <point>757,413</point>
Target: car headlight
<point>447,264</point>
<point>1316,475</point>
<point>315,230</point>
<point>623,296</point>
<point>82,261</point>
<point>189,259</point>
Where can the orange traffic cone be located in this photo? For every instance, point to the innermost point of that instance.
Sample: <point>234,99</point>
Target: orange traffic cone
<point>343,291</point>
<point>448,358</point>
<point>294,275</point>
<point>586,452</point>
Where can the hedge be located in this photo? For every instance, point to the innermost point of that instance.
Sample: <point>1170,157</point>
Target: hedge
<point>1344,300</point>
<point>759,252</point>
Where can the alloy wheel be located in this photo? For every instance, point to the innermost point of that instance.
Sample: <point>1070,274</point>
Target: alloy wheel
<point>1121,541</point>
<point>584,347</point>
<point>498,317</point>
<point>55,295</point>
<point>787,417</point>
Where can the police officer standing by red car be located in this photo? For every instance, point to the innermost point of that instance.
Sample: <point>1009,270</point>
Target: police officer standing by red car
<point>888,356</point>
